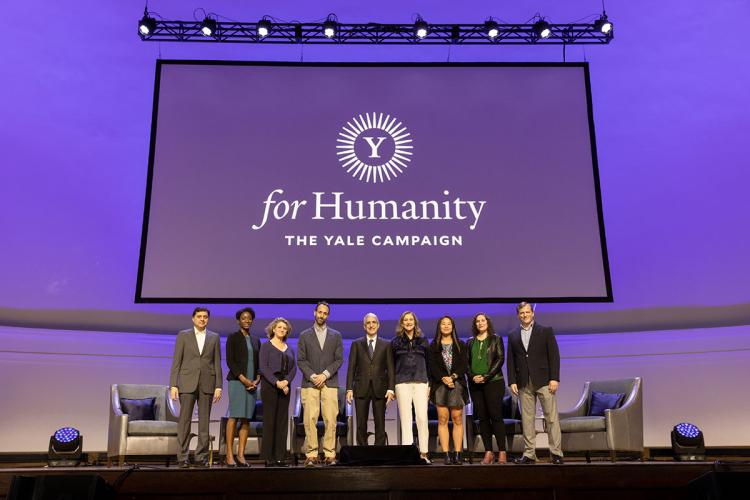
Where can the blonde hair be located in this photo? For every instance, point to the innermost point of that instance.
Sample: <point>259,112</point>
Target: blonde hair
<point>269,329</point>
<point>400,329</point>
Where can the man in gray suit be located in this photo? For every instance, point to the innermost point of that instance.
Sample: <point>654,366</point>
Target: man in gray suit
<point>195,376</point>
<point>320,353</point>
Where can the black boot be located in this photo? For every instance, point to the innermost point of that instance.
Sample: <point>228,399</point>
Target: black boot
<point>457,458</point>
<point>448,460</point>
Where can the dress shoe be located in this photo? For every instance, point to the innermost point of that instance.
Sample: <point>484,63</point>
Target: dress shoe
<point>502,457</point>
<point>524,460</point>
<point>448,460</point>
<point>425,459</point>
<point>330,461</point>
<point>270,463</point>
<point>281,463</point>
<point>456,459</point>
<point>557,459</point>
<point>311,462</point>
<point>184,465</point>
<point>202,464</point>
<point>244,465</point>
<point>489,457</point>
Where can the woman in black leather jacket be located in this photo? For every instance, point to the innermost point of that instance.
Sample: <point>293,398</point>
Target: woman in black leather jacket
<point>487,385</point>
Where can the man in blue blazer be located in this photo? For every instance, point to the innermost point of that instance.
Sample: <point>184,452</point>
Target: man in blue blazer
<point>320,353</point>
<point>534,372</point>
<point>195,376</point>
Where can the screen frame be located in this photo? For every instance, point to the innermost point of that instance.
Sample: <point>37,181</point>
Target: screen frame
<point>160,63</point>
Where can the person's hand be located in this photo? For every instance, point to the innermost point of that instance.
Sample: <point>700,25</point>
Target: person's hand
<point>280,384</point>
<point>321,380</point>
<point>514,389</point>
<point>478,379</point>
<point>217,395</point>
<point>174,393</point>
<point>389,396</point>
<point>447,381</point>
<point>349,396</point>
<point>285,390</point>
<point>553,385</point>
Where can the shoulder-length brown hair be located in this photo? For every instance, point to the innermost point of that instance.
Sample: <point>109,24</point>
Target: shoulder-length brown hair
<point>272,325</point>
<point>400,329</point>
<point>490,326</point>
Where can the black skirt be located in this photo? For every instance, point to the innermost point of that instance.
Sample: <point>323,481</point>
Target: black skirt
<point>452,398</point>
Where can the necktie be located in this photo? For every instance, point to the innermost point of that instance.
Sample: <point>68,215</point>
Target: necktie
<point>371,348</point>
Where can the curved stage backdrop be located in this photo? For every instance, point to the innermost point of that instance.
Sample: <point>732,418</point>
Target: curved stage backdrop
<point>372,182</point>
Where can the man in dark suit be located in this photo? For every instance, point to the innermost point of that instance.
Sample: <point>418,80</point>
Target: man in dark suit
<point>370,380</point>
<point>320,354</point>
<point>195,376</point>
<point>534,372</point>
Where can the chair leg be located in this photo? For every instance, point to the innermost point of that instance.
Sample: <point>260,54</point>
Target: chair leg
<point>588,457</point>
<point>612,455</point>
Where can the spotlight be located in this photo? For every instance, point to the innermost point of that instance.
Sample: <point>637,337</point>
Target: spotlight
<point>542,29</point>
<point>687,442</point>
<point>603,24</point>
<point>264,27</point>
<point>329,26</point>
<point>420,28</point>
<point>65,448</point>
<point>208,26</point>
<point>490,27</point>
<point>147,24</point>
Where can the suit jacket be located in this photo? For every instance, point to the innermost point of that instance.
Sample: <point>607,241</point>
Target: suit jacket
<point>541,363</point>
<point>364,371</point>
<point>312,359</point>
<point>236,354</point>
<point>192,370</point>
<point>437,370</point>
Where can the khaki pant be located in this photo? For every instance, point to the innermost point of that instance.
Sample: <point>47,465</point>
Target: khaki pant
<point>311,402</point>
<point>528,395</point>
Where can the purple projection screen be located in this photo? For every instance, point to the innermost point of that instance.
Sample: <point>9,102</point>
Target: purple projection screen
<point>370,183</point>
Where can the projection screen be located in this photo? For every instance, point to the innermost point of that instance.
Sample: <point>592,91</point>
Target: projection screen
<point>370,183</point>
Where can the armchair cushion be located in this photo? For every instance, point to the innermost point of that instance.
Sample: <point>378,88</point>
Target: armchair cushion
<point>582,424</point>
<point>139,409</point>
<point>601,401</point>
<point>152,428</point>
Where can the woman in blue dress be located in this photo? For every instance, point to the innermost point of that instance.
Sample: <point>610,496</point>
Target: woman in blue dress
<point>242,360</point>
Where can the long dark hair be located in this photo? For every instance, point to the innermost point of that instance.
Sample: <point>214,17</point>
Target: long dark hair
<point>438,334</point>
<point>490,326</point>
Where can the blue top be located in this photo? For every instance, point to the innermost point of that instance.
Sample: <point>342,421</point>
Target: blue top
<point>410,359</point>
<point>272,361</point>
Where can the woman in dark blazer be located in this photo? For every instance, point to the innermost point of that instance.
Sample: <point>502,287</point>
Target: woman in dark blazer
<point>487,385</point>
<point>277,369</point>
<point>242,352</point>
<point>447,362</point>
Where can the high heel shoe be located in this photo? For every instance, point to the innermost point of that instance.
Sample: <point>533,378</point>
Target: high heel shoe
<point>234,464</point>
<point>457,458</point>
<point>489,457</point>
<point>448,460</point>
<point>502,457</point>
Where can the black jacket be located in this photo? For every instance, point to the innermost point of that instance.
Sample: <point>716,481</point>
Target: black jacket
<point>437,369</point>
<point>495,357</point>
<point>364,372</point>
<point>541,363</point>
<point>237,356</point>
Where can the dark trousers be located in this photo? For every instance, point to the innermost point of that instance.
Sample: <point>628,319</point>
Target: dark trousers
<point>487,399</point>
<point>362,408</point>
<point>275,422</point>
<point>187,403</point>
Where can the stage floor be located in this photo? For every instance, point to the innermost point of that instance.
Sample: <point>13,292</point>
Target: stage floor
<point>598,480</point>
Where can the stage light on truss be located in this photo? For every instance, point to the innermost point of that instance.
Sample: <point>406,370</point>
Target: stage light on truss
<point>490,27</point>
<point>208,26</point>
<point>65,448</point>
<point>687,442</point>
<point>263,28</point>
<point>330,26</point>
<point>420,28</point>
<point>542,29</point>
<point>147,24</point>
<point>603,25</point>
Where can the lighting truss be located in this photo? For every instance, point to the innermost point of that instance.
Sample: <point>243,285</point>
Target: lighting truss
<point>373,33</point>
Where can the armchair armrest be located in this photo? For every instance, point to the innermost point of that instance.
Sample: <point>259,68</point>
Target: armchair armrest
<point>579,410</point>
<point>625,424</point>
<point>117,434</point>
